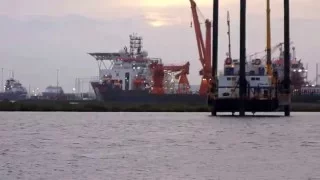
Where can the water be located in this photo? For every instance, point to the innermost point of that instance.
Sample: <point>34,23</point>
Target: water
<point>158,146</point>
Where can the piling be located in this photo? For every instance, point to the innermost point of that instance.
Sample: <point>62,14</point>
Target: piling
<point>215,29</point>
<point>242,78</point>
<point>287,55</point>
<point>214,63</point>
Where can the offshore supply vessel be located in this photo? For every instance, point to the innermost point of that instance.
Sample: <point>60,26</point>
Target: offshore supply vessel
<point>131,76</point>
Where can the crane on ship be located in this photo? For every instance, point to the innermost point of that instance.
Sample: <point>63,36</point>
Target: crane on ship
<point>158,72</point>
<point>272,51</point>
<point>157,78</point>
<point>183,71</point>
<point>204,49</point>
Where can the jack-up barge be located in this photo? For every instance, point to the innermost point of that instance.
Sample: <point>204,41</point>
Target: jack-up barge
<point>250,86</point>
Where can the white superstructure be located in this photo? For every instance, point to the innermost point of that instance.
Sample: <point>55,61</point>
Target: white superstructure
<point>131,67</point>
<point>259,82</point>
<point>129,71</point>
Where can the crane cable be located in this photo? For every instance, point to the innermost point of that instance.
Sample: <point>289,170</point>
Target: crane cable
<point>199,14</point>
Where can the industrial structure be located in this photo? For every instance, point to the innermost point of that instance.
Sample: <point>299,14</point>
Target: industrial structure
<point>130,75</point>
<point>83,88</point>
<point>204,49</point>
<point>245,86</point>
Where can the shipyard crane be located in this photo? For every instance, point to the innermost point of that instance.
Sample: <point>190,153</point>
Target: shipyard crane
<point>204,50</point>
<point>275,48</point>
<point>158,72</point>
<point>272,51</point>
<point>255,54</point>
<point>183,84</point>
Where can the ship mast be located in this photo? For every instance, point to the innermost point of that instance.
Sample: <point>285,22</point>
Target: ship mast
<point>294,53</point>
<point>307,68</point>
<point>229,38</point>
<point>269,70</point>
<point>135,45</point>
<point>2,87</point>
<point>317,74</point>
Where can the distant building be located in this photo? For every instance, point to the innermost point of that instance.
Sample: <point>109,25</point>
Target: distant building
<point>53,92</point>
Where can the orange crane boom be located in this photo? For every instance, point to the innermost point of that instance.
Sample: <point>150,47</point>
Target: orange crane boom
<point>203,50</point>
<point>183,84</point>
<point>197,28</point>
<point>157,77</point>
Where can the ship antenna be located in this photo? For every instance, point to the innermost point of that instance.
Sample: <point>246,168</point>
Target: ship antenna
<point>57,81</point>
<point>2,87</point>
<point>294,53</point>
<point>229,35</point>
<point>131,44</point>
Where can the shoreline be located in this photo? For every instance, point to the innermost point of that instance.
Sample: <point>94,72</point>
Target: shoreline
<point>96,106</point>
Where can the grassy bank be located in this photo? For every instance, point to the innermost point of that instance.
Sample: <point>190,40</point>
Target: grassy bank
<point>94,106</point>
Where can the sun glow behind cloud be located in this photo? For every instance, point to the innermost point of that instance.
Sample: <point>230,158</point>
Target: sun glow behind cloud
<point>179,3</point>
<point>163,3</point>
<point>160,13</point>
<point>111,9</point>
<point>180,9</point>
<point>157,19</point>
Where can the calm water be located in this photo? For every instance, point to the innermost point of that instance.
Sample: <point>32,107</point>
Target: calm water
<point>158,146</point>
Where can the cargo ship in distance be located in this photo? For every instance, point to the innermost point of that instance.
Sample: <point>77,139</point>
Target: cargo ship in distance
<point>13,91</point>
<point>131,76</point>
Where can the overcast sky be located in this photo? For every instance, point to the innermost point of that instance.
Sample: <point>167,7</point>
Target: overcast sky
<point>40,36</point>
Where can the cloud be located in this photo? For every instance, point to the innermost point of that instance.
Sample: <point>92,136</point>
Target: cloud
<point>157,19</point>
<point>163,3</point>
<point>110,9</point>
<point>307,9</point>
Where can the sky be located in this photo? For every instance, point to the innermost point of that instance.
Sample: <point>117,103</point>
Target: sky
<point>40,36</point>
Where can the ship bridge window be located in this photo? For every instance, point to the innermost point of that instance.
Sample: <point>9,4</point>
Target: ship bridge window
<point>228,79</point>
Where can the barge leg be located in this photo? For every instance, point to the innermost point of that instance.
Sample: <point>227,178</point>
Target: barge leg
<point>287,110</point>
<point>214,59</point>
<point>215,32</point>
<point>287,57</point>
<point>242,78</point>
<point>242,110</point>
<point>213,111</point>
